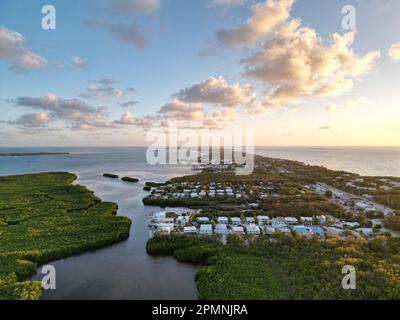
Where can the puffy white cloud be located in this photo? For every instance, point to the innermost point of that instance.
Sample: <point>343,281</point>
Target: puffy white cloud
<point>134,7</point>
<point>265,17</point>
<point>394,51</point>
<point>215,91</point>
<point>13,49</point>
<point>179,110</point>
<point>128,119</point>
<point>102,89</point>
<point>348,105</point>
<point>296,63</point>
<point>78,62</point>
<point>32,120</point>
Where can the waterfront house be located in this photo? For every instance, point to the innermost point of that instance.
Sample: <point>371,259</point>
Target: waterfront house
<point>252,229</point>
<point>206,229</point>
<point>269,230</point>
<point>236,221</point>
<point>278,223</point>
<point>189,230</point>
<point>164,228</point>
<point>221,229</point>
<point>222,220</point>
<point>158,216</point>
<point>263,220</point>
<point>291,221</point>
<point>321,220</point>
<point>182,220</point>
<point>203,219</point>
<point>250,220</point>
<point>307,221</point>
<point>238,230</point>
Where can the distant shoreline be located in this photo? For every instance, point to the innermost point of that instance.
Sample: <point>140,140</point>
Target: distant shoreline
<point>27,154</point>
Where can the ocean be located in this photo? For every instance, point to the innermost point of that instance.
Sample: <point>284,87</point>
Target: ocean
<point>125,270</point>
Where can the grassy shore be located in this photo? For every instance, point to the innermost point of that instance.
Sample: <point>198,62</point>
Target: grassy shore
<point>43,217</point>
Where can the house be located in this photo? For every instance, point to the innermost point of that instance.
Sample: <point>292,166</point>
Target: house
<point>236,221</point>
<point>238,230</point>
<point>250,220</point>
<point>202,194</point>
<point>238,196</point>
<point>307,221</point>
<point>189,230</point>
<point>361,205</point>
<point>291,220</point>
<point>211,193</point>
<point>222,220</point>
<point>206,229</point>
<point>203,220</point>
<point>182,220</point>
<point>269,230</point>
<point>252,229</point>
<point>321,220</point>
<point>278,223</point>
<point>283,230</point>
<point>263,220</point>
<point>221,229</point>
<point>164,228</point>
<point>253,205</point>
<point>194,195</point>
<point>230,194</point>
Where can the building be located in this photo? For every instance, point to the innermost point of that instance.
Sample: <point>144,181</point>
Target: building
<point>307,221</point>
<point>252,229</point>
<point>222,220</point>
<point>164,228</point>
<point>250,220</point>
<point>206,229</point>
<point>321,220</point>
<point>182,220</point>
<point>291,221</point>
<point>221,229</point>
<point>203,220</point>
<point>333,231</point>
<point>236,221</point>
<point>365,231</point>
<point>158,216</point>
<point>263,220</point>
<point>190,230</point>
<point>278,223</point>
<point>269,230</point>
<point>238,230</point>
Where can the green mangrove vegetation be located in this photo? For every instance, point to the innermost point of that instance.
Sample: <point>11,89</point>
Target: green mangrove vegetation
<point>287,267</point>
<point>43,217</point>
<point>129,179</point>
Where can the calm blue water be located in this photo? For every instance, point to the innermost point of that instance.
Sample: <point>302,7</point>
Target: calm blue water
<point>124,270</point>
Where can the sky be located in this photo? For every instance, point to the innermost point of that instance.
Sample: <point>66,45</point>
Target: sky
<point>300,73</point>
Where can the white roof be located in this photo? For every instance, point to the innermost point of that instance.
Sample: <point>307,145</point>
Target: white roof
<point>206,227</point>
<point>189,229</point>
<point>237,229</point>
<point>203,219</point>
<point>235,219</point>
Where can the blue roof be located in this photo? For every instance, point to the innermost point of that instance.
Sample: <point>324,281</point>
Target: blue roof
<point>317,230</point>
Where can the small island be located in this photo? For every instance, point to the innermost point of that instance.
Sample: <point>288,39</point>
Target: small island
<point>129,179</point>
<point>110,175</point>
<point>28,154</point>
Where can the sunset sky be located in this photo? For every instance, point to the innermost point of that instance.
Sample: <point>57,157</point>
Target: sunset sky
<point>114,69</point>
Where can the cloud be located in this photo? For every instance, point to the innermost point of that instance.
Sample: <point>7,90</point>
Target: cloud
<point>265,17</point>
<point>348,105</point>
<point>102,89</point>
<point>215,91</point>
<point>394,52</point>
<point>32,120</point>
<point>295,63</point>
<point>228,3</point>
<point>135,7</point>
<point>325,128</point>
<point>75,112</point>
<point>179,110</point>
<point>129,32</point>
<point>13,48</point>
<point>128,104</point>
<point>78,62</point>
<point>128,119</point>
